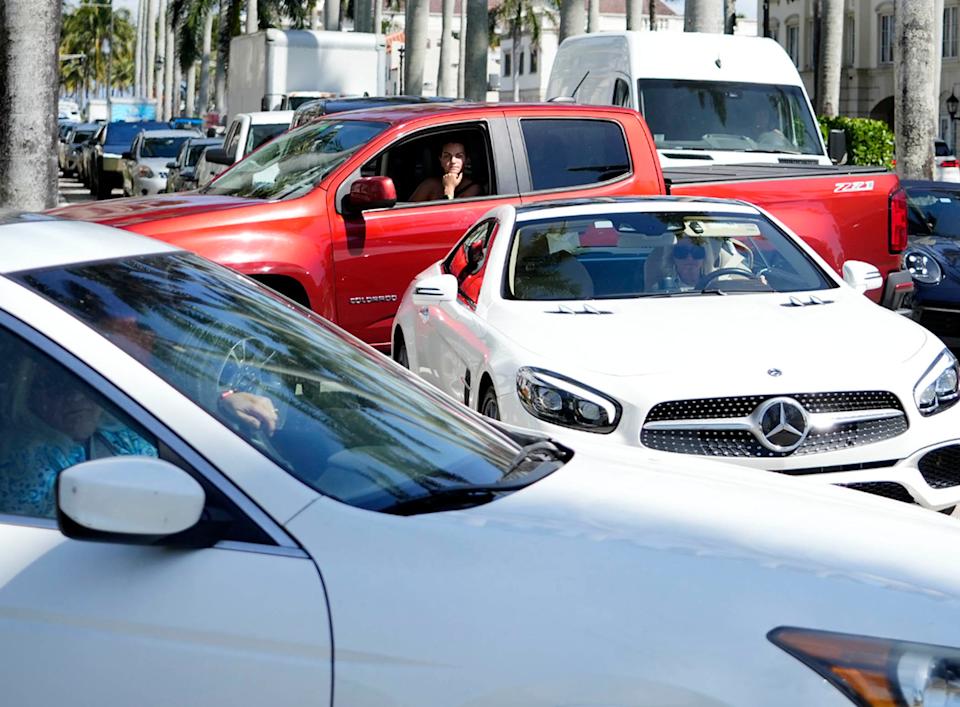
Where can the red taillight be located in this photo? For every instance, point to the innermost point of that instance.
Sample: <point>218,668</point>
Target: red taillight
<point>950,163</point>
<point>898,220</point>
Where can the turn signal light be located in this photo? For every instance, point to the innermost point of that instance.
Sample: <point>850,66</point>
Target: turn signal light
<point>950,163</point>
<point>898,220</point>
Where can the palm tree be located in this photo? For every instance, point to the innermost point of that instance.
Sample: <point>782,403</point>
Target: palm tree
<point>446,80</point>
<point>830,57</point>
<point>29,69</point>
<point>703,16</point>
<point>572,18</point>
<point>914,63</point>
<point>86,30</point>
<point>634,14</point>
<point>520,17</point>
<point>415,45</point>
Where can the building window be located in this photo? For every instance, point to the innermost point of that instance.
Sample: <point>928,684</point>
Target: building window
<point>507,64</point>
<point>520,63</point>
<point>793,43</point>
<point>849,44</point>
<point>886,39</point>
<point>950,32</point>
<point>533,61</point>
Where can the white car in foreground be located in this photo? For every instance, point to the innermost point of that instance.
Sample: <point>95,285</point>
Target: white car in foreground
<point>364,541</point>
<point>575,319</point>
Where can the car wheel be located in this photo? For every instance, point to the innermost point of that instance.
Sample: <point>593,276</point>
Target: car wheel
<point>400,354</point>
<point>489,405</point>
<point>101,188</point>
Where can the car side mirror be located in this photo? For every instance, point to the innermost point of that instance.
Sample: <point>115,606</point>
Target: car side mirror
<point>188,174</point>
<point>434,290</point>
<point>219,156</point>
<point>137,498</point>
<point>127,155</point>
<point>837,146</point>
<point>371,193</point>
<point>861,276</point>
<point>171,165</point>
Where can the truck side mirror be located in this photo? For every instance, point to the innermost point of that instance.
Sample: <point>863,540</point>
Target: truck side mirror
<point>127,155</point>
<point>371,193</point>
<point>171,165</point>
<point>218,155</point>
<point>837,146</point>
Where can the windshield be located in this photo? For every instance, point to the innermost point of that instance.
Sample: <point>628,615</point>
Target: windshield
<point>295,162</point>
<point>646,254</point>
<point>193,156</point>
<point>122,134</point>
<point>81,135</point>
<point>161,146</point>
<point>742,117</point>
<point>934,212</point>
<point>350,423</point>
<point>259,134</point>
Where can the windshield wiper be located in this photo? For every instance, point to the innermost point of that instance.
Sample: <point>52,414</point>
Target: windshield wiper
<point>532,463</point>
<point>776,152</point>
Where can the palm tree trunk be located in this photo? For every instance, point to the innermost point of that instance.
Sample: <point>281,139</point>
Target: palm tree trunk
<point>703,16</point>
<point>831,57</point>
<point>462,49</point>
<point>170,63</point>
<point>191,107</point>
<point>475,71</point>
<point>517,54</point>
<point>175,93</point>
<point>161,25</point>
<point>652,15</point>
<point>415,31</point>
<point>331,15</point>
<point>446,80</point>
<point>634,14</point>
<point>914,104</point>
<point>378,16</point>
<point>252,20</point>
<point>138,55</point>
<point>151,32</point>
<point>593,16</point>
<point>223,53</point>
<point>29,83</point>
<point>572,18</point>
<point>203,99</point>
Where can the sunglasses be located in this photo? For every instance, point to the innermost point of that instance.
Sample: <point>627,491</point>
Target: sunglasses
<point>682,251</point>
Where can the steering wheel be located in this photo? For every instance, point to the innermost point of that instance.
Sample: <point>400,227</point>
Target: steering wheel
<point>711,276</point>
<point>244,369</point>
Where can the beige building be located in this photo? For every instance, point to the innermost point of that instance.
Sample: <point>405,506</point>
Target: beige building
<point>866,81</point>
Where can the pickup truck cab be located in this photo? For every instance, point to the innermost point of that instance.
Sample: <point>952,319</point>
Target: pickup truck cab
<point>323,213</point>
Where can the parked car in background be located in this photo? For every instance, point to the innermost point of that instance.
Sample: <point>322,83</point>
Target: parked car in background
<point>947,168</point>
<point>933,256</point>
<point>181,172</point>
<point>325,106</point>
<point>247,132</point>
<point>145,164</point>
<point>85,155</point>
<point>63,132</point>
<point>78,134</point>
<point>68,109</point>
<point>382,544</point>
<point>295,99</point>
<point>603,321</point>
<point>106,160</point>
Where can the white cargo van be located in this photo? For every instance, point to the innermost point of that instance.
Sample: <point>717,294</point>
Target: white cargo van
<point>707,98</point>
<point>267,65</point>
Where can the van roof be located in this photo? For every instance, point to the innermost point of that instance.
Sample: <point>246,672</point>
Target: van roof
<point>679,55</point>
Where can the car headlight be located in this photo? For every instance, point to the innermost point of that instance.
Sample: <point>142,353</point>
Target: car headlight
<point>877,671</point>
<point>937,389</point>
<point>561,401</point>
<point>144,171</point>
<point>923,267</point>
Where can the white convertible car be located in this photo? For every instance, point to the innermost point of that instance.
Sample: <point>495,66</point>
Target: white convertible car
<point>697,327</point>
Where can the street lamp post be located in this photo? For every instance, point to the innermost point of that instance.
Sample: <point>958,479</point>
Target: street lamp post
<point>952,104</point>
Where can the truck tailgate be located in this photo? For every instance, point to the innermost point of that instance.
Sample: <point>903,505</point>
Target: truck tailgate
<point>842,212</point>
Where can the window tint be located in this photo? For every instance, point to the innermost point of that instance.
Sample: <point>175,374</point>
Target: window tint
<point>569,153</point>
<point>259,134</point>
<point>468,260</point>
<point>50,421</point>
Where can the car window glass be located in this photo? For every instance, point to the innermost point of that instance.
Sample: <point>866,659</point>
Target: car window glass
<point>468,260</point>
<point>569,153</point>
<point>233,139</point>
<point>52,420</point>
<point>161,146</point>
<point>259,134</point>
<point>348,423</point>
<point>941,149</point>
<point>621,94</point>
<point>934,212</point>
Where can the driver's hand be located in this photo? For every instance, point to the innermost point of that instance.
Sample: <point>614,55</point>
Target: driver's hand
<point>451,180</point>
<point>255,412</point>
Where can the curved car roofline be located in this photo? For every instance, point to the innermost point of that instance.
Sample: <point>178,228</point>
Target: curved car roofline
<point>416,111</point>
<point>600,203</point>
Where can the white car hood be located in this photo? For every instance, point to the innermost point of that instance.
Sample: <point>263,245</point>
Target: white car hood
<point>657,336</point>
<point>157,164</point>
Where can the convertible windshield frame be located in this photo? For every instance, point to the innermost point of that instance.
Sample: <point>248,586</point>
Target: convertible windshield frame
<point>294,162</point>
<point>350,424</point>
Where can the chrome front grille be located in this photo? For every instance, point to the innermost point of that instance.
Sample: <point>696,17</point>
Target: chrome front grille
<point>773,426</point>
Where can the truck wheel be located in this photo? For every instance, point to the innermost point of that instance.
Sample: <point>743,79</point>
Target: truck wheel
<point>489,405</point>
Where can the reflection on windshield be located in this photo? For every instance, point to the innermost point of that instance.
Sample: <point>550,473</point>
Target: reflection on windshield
<point>709,115</point>
<point>295,162</point>
<point>934,212</point>
<point>643,254</point>
<point>349,423</point>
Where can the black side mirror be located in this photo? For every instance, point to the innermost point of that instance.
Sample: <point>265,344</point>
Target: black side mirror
<point>219,156</point>
<point>837,146</point>
<point>171,165</point>
<point>127,155</point>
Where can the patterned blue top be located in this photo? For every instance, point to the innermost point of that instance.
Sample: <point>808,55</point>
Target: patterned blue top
<point>28,472</point>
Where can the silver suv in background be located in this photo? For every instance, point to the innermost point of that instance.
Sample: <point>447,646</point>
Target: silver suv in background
<point>145,164</point>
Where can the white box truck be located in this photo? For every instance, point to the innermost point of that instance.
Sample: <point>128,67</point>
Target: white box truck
<point>707,98</point>
<point>269,64</point>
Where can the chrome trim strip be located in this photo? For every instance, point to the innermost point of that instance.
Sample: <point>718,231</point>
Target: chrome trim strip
<point>818,421</point>
<point>716,423</point>
<point>829,420</point>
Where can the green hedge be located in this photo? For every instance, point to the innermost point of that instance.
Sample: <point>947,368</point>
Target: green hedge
<point>869,142</point>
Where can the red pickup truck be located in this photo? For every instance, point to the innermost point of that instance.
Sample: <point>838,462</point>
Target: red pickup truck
<point>322,213</point>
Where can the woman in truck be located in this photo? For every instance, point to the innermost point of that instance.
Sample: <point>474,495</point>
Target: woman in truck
<point>454,183</point>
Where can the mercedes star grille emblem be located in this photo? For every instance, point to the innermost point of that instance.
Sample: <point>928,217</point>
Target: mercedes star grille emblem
<point>783,423</point>
<point>775,372</point>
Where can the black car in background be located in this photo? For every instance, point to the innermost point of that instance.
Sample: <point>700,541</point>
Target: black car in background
<point>106,162</point>
<point>933,256</point>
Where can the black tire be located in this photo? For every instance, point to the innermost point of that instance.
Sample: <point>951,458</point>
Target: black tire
<point>489,405</point>
<point>102,186</point>
<point>400,353</point>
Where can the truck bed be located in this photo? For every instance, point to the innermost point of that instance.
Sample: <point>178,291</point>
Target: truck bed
<point>703,174</point>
